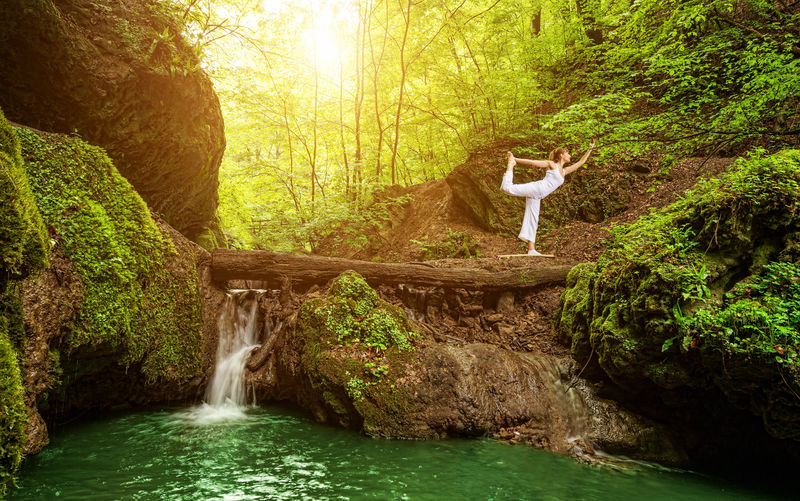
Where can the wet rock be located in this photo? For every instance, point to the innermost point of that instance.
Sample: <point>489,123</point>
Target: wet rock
<point>50,303</point>
<point>449,388</point>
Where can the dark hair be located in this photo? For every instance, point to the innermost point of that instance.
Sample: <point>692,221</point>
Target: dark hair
<point>555,155</point>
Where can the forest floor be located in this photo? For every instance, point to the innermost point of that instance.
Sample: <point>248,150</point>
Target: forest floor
<point>526,324</point>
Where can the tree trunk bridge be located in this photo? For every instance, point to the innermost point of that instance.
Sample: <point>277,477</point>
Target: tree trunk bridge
<point>227,264</point>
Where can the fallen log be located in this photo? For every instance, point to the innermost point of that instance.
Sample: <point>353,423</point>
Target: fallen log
<point>227,264</point>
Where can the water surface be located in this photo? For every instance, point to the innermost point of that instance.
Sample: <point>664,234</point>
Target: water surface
<point>278,453</point>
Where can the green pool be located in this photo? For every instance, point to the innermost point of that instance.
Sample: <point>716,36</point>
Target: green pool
<point>278,453</point>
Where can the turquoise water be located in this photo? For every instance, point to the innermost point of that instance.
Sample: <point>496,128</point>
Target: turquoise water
<point>278,453</point>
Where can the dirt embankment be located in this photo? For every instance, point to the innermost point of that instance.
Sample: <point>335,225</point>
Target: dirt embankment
<point>569,226</point>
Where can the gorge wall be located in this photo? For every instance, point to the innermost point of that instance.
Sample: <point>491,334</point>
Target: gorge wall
<point>121,76</point>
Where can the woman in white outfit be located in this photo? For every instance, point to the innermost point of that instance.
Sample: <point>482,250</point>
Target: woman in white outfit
<point>534,192</point>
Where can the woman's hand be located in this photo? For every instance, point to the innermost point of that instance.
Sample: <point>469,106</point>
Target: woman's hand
<point>591,144</point>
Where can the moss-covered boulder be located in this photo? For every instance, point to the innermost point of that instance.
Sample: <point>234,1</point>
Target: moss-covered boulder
<point>115,319</point>
<point>123,77</point>
<point>356,350</point>
<point>702,298</point>
<point>132,301</point>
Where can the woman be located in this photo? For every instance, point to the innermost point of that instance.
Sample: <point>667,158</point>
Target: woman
<point>537,190</point>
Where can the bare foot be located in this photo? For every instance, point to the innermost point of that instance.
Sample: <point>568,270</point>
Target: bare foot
<point>511,160</point>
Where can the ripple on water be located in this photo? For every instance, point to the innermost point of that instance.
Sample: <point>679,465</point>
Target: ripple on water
<point>275,453</point>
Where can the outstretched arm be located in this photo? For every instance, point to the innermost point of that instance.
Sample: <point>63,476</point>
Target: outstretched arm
<point>535,163</point>
<point>577,165</point>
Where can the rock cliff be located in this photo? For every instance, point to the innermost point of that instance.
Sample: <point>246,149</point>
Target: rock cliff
<point>120,75</point>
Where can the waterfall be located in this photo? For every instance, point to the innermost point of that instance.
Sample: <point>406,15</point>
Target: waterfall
<point>226,395</point>
<point>238,329</point>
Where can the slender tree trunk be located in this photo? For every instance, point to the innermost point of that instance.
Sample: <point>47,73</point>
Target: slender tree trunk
<point>341,129</point>
<point>376,66</point>
<point>403,69</point>
<point>536,23</point>
<point>314,133</point>
<point>290,185</point>
<point>360,48</point>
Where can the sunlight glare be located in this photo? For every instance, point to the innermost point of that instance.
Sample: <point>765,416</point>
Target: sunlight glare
<point>324,45</point>
<point>320,38</point>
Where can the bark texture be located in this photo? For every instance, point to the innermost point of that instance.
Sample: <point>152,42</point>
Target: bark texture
<point>229,264</point>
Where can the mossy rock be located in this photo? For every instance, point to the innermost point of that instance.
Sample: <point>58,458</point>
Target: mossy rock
<point>133,302</point>
<point>355,348</point>
<point>122,75</point>
<point>703,295</point>
<point>574,313</point>
<point>13,416</point>
<point>24,243</point>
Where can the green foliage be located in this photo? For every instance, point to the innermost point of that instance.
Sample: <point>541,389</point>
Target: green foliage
<point>133,302</point>
<point>13,415</point>
<point>357,388</point>
<point>692,76</point>
<point>24,244</point>
<point>384,329</point>
<point>457,244</point>
<point>310,110</point>
<point>760,315</point>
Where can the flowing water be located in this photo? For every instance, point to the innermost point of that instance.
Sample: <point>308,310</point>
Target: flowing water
<point>227,448</point>
<point>278,453</point>
<point>239,321</point>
